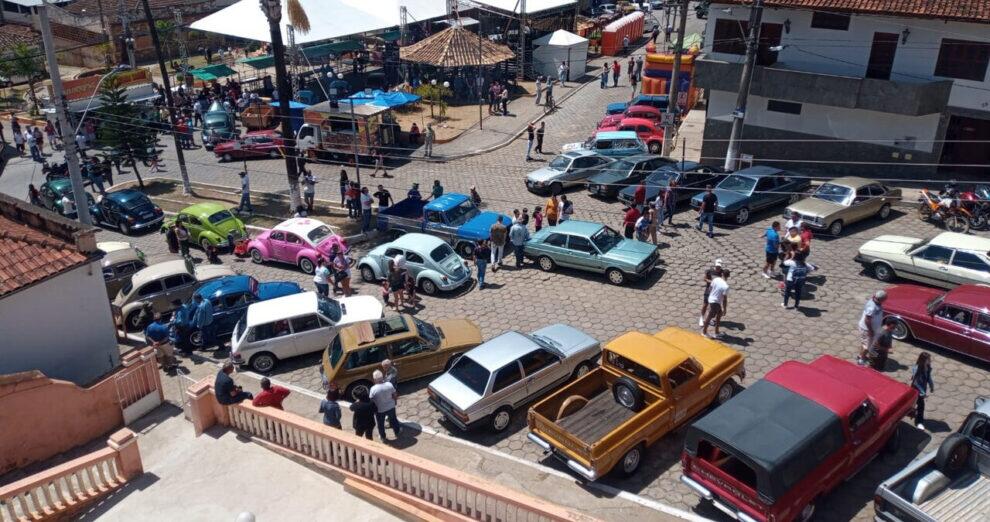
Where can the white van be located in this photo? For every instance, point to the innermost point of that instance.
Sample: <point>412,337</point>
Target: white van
<point>295,325</point>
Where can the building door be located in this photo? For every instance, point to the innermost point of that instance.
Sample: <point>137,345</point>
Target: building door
<point>965,145</point>
<point>882,56</point>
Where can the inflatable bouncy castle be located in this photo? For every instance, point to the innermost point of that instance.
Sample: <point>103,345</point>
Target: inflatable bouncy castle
<point>657,70</point>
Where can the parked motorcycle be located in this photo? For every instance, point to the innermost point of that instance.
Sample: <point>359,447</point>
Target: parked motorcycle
<point>944,209</point>
<point>978,204</point>
<point>55,170</point>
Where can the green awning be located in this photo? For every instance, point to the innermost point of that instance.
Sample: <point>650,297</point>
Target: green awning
<point>212,72</point>
<point>319,51</point>
<point>259,62</point>
<point>390,36</point>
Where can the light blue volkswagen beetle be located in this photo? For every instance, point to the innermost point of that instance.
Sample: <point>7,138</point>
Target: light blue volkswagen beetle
<point>429,259</point>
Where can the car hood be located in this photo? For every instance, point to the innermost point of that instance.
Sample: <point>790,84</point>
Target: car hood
<point>909,299</point>
<point>889,244</point>
<point>543,174</point>
<point>815,207</point>
<point>454,392</point>
<point>208,272</point>
<point>570,341</point>
<point>360,308</point>
<point>459,333</point>
<point>630,251</point>
<point>478,227</point>
<point>607,177</point>
<point>273,289</point>
<point>612,120</point>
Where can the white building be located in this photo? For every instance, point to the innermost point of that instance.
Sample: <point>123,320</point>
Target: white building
<point>875,87</point>
<point>54,312</point>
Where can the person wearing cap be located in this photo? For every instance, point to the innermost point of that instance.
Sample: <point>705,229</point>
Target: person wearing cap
<point>870,323</point>
<point>709,275</point>
<point>414,192</point>
<point>717,302</point>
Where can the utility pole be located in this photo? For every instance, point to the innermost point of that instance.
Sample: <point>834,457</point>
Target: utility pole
<point>739,115</point>
<point>673,108</point>
<point>522,39</point>
<point>128,38</point>
<point>167,85</point>
<point>357,159</point>
<point>78,192</point>
<point>183,51</point>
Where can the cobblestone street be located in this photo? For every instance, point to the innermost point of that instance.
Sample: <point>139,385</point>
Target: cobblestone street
<point>526,299</point>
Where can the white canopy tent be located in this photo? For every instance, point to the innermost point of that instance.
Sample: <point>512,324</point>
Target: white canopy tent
<point>560,46</point>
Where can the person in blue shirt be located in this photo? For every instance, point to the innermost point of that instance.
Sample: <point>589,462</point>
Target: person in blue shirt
<point>202,320</point>
<point>156,334</point>
<point>228,392</point>
<point>414,192</point>
<point>181,325</point>
<point>772,248</point>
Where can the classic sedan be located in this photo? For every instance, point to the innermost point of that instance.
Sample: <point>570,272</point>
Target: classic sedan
<point>844,201</point>
<point>487,384</point>
<point>209,223</point>
<point>231,296</point>
<point>623,173</point>
<point>161,285</point>
<point>649,131</point>
<point>749,190</point>
<point>592,247</point>
<point>659,101</point>
<point>947,260</point>
<point>296,241</point>
<point>691,177</point>
<point>645,112</point>
<point>256,144</point>
<point>568,169</point>
<point>430,261</point>
<point>957,320</point>
<point>128,210</point>
<point>51,192</point>
<point>120,261</point>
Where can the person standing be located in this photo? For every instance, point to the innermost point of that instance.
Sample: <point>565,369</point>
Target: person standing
<point>309,189</point>
<point>271,395</point>
<point>366,201</point>
<point>562,73</point>
<point>625,44</point>
<point>245,204</point>
<point>68,206</point>
<point>552,210</point>
<point>639,67</point>
<point>539,136</point>
<point>203,321</point>
<point>344,183</point>
<point>396,283</point>
<point>870,322</point>
<point>182,237</point>
<point>429,136</point>
<point>539,89</point>
<point>505,99</point>
<point>321,277</point>
<point>413,192</point>
<point>380,164</point>
<point>921,380</point>
<point>706,212</point>
<point>437,190</point>
<point>391,373</point>
<point>794,282</point>
<point>530,137</point>
<point>384,198</point>
<point>499,235</point>
<point>518,235</point>
<point>629,221</point>
<point>616,70</point>
<point>537,218</point>
<point>771,250</point>
<point>566,208</point>
<point>18,138</point>
<point>709,275</point>
<point>331,409</point>
<point>342,268</point>
<point>793,222</point>
<point>643,225</point>
<point>227,392</point>
<point>481,255</point>
<point>384,396</point>
<point>604,76</point>
<point>363,412</point>
<point>655,34</point>
<point>639,195</point>
<point>632,83</point>
<point>717,302</point>
<point>353,196</point>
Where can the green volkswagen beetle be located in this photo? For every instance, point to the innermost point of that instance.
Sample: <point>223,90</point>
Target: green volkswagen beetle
<point>51,192</point>
<point>593,247</point>
<point>209,223</point>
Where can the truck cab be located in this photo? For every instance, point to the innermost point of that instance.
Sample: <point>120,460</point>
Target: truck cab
<point>452,217</point>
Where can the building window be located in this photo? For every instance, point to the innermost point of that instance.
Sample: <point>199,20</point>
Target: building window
<point>730,36</point>
<point>834,21</point>
<point>963,60</point>
<point>783,106</point>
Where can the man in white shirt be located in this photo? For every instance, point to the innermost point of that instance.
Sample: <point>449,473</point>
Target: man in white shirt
<point>366,201</point>
<point>717,302</point>
<point>383,394</point>
<point>68,206</point>
<point>870,323</point>
<point>793,222</point>
<point>245,204</point>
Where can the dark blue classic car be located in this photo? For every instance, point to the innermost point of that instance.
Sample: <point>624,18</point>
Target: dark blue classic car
<point>749,190</point>
<point>128,210</point>
<point>623,173</point>
<point>230,297</point>
<point>691,177</point>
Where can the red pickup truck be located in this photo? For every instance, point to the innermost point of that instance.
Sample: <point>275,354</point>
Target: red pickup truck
<point>773,452</point>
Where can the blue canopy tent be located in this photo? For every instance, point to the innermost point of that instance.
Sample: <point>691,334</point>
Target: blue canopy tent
<point>295,114</point>
<point>384,99</point>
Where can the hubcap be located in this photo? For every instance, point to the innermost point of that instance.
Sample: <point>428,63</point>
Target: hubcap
<point>836,228</point>
<point>582,370</point>
<point>631,461</point>
<point>545,263</point>
<point>743,216</point>
<point>900,331</point>
<point>725,393</point>
<point>306,265</point>
<point>626,397</point>
<point>501,420</point>
<point>884,212</point>
<point>256,256</point>
<point>196,338</point>
<point>883,273</point>
<point>205,244</point>
<point>615,277</point>
<point>429,287</point>
<point>263,363</point>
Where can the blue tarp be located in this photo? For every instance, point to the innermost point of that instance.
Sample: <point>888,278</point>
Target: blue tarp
<point>292,105</point>
<point>384,99</point>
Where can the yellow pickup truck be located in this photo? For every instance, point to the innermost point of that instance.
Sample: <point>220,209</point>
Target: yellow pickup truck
<point>647,386</point>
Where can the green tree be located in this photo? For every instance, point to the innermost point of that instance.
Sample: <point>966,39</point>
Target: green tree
<point>25,60</point>
<point>122,127</point>
<point>167,34</point>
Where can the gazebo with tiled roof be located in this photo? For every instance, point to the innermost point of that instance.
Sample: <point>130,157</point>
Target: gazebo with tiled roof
<point>456,47</point>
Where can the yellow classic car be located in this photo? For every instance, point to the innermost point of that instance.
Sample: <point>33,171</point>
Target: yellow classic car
<point>844,201</point>
<point>415,347</point>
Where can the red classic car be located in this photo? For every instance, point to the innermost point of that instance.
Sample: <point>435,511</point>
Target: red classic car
<point>256,144</point>
<point>775,450</point>
<point>611,121</point>
<point>648,130</point>
<point>957,320</point>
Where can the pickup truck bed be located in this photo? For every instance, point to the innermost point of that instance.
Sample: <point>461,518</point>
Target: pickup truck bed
<point>596,419</point>
<point>967,499</point>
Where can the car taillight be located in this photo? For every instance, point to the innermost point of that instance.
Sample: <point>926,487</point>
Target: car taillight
<point>461,416</point>
<point>431,393</point>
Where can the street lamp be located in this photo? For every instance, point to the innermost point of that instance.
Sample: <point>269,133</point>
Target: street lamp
<point>273,11</point>
<point>441,97</point>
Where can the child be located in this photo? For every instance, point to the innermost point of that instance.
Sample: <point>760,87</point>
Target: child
<point>411,289</point>
<point>538,218</point>
<point>385,292</point>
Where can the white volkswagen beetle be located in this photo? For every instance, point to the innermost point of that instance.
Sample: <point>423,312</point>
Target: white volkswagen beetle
<point>430,260</point>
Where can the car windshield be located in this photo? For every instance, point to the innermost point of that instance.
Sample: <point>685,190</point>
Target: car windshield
<point>834,193</point>
<point>219,217</point>
<point>336,352</point>
<point>428,332</point>
<point>934,303</point>
<point>319,233</point>
<point>441,252</point>
<point>331,308</point>
<point>606,239</point>
<point>738,184</point>
<point>136,202</point>
<point>621,167</point>
<point>462,213</point>
<point>559,163</point>
<point>471,374</point>
<point>662,176</point>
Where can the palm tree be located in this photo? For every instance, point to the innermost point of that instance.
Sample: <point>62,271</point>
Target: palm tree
<point>26,61</point>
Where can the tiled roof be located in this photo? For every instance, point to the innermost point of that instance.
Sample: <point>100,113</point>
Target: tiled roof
<point>959,10</point>
<point>455,47</point>
<point>92,7</point>
<point>77,34</point>
<point>13,34</point>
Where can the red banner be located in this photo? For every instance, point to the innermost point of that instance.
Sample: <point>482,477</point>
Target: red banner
<point>86,87</point>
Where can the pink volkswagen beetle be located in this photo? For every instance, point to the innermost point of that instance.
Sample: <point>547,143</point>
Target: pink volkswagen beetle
<point>296,241</point>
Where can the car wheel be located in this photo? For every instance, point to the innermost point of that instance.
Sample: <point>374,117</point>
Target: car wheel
<point>227,157</point>
<point>546,264</point>
<point>465,249</point>
<point>725,392</point>
<point>631,460</point>
<point>355,388</point>
<point>806,513</point>
<point>615,276</point>
<point>901,331</point>
<point>428,286</point>
<point>256,256</point>
<point>835,228</point>
<point>884,212</point>
<point>196,338</point>
<point>501,419</point>
<point>273,154</point>
<point>884,272</point>
<point>204,244</point>
<point>133,321</point>
<point>582,370</point>
<point>953,454</point>
<point>367,274</point>
<point>627,393</point>
<point>742,217</point>
<point>655,147</point>
<point>263,362</point>
<point>124,228</point>
<point>556,188</point>
<point>306,265</point>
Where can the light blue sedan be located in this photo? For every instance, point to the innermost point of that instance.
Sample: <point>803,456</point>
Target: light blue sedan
<point>430,260</point>
<point>593,247</point>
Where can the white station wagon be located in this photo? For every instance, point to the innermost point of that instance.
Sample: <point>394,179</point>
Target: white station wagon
<point>946,260</point>
<point>295,325</point>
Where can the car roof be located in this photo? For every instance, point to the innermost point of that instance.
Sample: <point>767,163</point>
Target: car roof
<point>299,225</point>
<point>681,166</point>
<point>59,184</point>
<point>962,242</point>
<point>117,251</point>
<point>281,308</point>
<point>822,386</point>
<point>576,226</point>
<point>417,242</point>
<point>502,350</point>
<point>637,121</point>
<point>650,351</point>
<point>446,202</point>
<point>759,171</point>
<point>643,108</point>
<point>362,334</point>
<point>975,296</point>
<point>122,195</point>
<point>225,285</point>
<point>578,153</point>
<point>852,182</point>
<point>617,135</point>
<point>206,208</point>
<point>160,270</point>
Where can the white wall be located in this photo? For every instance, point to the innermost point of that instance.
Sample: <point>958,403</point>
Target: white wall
<point>879,128</point>
<point>846,53</point>
<point>62,327</point>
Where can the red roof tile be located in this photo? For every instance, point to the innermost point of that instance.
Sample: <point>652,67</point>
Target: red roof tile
<point>30,256</point>
<point>959,10</point>
<point>13,34</point>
